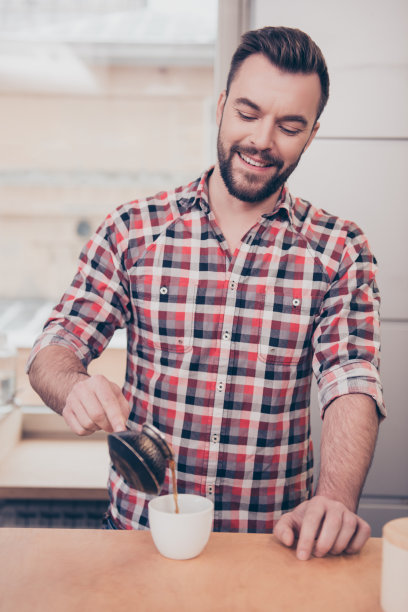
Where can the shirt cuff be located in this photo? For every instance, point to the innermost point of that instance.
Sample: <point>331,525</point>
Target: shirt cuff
<point>59,337</point>
<point>353,377</point>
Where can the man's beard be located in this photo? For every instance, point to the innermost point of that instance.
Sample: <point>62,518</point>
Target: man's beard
<point>251,189</point>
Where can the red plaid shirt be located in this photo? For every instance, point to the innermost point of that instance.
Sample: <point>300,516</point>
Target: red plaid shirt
<point>221,348</point>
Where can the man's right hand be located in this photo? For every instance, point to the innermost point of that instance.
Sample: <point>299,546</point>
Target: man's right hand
<point>95,403</point>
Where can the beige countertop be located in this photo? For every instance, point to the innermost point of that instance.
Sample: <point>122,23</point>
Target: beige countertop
<point>97,570</point>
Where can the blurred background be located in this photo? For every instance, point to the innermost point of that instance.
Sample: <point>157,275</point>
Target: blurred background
<point>105,101</point>
<point>101,101</point>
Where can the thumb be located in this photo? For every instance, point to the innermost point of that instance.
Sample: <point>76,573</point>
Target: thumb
<point>122,401</point>
<point>120,409</point>
<point>284,530</point>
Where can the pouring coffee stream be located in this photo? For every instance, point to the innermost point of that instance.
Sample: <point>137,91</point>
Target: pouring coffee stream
<point>141,458</point>
<point>172,465</point>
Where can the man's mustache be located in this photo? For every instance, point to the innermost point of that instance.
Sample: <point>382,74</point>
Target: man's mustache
<point>264,156</point>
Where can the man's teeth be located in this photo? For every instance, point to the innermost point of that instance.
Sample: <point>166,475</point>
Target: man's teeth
<point>248,160</point>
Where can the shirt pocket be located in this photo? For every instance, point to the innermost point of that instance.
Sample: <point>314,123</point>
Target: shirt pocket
<point>165,312</point>
<point>286,325</point>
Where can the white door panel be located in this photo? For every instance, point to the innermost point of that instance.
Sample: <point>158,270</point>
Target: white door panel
<point>366,49</point>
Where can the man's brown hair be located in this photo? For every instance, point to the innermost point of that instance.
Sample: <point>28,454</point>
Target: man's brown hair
<point>289,49</point>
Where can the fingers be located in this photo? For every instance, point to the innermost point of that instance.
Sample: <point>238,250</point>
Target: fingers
<point>75,424</point>
<point>286,530</point>
<point>350,525</point>
<point>346,533</point>
<point>94,404</point>
<point>338,528</point>
<point>311,526</point>
<point>123,404</point>
<point>108,410</point>
<point>360,537</point>
<point>324,526</point>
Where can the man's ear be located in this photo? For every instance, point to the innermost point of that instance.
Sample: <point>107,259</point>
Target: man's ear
<point>220,106</point>
<point>312,135</point>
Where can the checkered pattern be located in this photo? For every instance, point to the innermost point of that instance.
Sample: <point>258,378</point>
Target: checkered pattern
<point>221,348</point>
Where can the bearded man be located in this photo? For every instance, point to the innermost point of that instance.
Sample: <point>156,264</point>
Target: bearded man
<point>233,293</point>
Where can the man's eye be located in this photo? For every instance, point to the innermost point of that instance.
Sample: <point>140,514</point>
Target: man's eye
<point>246,117</point>
<point>289,131</point>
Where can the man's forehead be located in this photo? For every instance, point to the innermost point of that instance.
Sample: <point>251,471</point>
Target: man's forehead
<point>259,79</point>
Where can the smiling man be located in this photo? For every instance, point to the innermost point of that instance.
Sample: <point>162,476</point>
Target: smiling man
<point>271,147</point>
<point>233,293</point>
<point>267,118</point>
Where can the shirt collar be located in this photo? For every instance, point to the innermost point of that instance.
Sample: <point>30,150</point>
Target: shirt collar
<point>197,193</point>
<point>284,206</point>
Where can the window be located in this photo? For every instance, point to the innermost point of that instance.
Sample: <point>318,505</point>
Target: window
<point>101,102</point>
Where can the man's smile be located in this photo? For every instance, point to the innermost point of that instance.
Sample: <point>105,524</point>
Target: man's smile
<point>257,161</point>
<point>254,162</point>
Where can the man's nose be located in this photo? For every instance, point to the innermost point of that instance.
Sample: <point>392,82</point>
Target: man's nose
<point>262,136</point>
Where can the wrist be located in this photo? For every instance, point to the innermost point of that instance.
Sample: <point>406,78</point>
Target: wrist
<point>336,495</point>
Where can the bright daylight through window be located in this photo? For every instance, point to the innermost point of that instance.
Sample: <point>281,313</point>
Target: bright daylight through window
<point>101,102</point>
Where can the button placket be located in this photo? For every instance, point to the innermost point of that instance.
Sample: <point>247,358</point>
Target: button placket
<point>221,381</point>
<point>220,386</point>
<point>227,332</point>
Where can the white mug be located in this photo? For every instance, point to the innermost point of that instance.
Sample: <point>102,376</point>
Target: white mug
<point>394,575</point>
<point>182,535</point>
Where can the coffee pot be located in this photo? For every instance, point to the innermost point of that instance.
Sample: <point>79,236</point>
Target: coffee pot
<point>141,457</point>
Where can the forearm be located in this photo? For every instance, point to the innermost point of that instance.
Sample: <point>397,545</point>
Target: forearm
<point>53,374</point>
<point>349,434</point>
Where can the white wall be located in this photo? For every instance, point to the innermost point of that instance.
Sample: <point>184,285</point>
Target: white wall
<point>356,168</point>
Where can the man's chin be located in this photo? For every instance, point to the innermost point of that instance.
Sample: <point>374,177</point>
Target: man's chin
<point>251,196</point>
<point>254,190</point>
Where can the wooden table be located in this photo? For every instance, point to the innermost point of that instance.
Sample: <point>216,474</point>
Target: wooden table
<point>97,570</point>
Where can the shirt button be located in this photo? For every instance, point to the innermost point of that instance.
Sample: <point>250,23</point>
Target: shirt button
<point>296,302</point>
<point>180,341</point>
<point>226,335</point>
<point>210,489</point>
<point>220,386</point>
<point>163,290</point>
<point>271,350</point>
<point>215,438</point>
<point>233,285</point>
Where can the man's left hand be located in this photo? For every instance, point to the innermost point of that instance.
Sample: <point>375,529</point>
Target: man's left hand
<point>322,526</point>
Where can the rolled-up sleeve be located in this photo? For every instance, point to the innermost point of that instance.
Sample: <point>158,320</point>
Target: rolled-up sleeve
<point>346,340</point>
<point>95,305</point>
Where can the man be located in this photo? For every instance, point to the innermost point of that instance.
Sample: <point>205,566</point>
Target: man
<point>232,292</point>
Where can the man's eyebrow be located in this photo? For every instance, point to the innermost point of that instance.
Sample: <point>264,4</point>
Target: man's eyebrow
<point>247,102</point>
<point>294,118</point>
